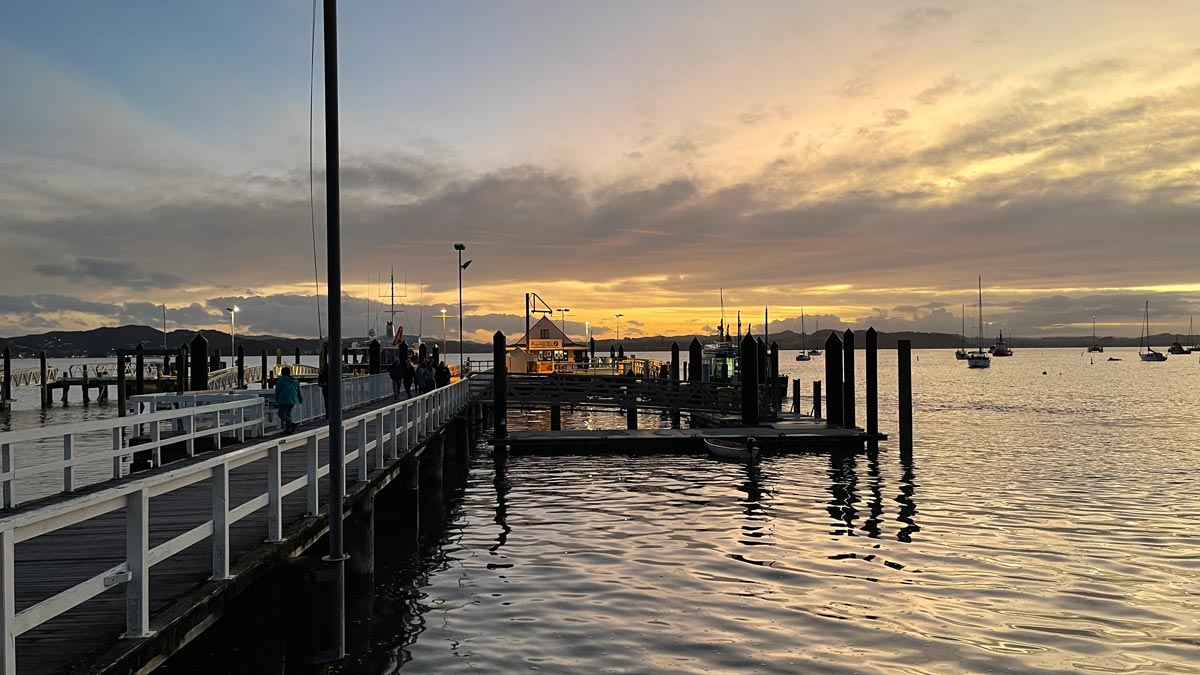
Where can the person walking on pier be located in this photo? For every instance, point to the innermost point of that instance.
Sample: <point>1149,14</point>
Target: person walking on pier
<point>409,373</point>
<point>396,372</point>
<point>442,377</point>
<point>287,395</point>
<point>425,377</point>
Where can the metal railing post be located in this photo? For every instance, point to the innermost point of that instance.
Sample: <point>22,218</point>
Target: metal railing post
<point>8,603</point>
<point>156,441</point>
<point>312,467</point>
<point>137,553</point>
<point>380,447</point>
<point>191,431</point>
<point>117,443</point>
<point>274,498</point>
<point>362,449</point>
<point>220,519</point>
<point>404,429</point>
<point>6,465</point>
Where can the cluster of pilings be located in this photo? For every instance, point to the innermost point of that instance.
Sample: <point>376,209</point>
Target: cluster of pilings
<point>759,364</point>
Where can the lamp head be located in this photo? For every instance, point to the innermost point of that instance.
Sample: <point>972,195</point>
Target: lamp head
<point>460,247</point>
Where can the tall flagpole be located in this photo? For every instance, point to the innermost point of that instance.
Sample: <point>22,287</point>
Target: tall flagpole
<point>337,451</point>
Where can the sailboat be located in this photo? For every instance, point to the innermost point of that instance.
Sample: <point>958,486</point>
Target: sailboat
<point>803,355</point>
<point>961,354</point>
<point>1192,337</point>
<point>980,358</point>
<point>1144,342</point>
<point>1095,345</point>
<point>816,352</point>
<point>1177,346</point>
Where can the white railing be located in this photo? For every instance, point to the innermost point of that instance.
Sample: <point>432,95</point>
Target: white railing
<point>29,377</point>
<point>161,428</point>
<point>398,427</point>
<point>226,378</point>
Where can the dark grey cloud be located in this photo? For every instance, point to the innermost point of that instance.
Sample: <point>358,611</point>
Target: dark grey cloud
<point>119,273</point>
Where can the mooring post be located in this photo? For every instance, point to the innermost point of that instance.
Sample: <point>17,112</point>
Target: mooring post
<point>816,399</point>
<point>591,350</point>
<point>873,384</point>
<point>264,369</point>
<point>6,385</point>
<point>674,361</point>
<point>297,355</point>
<point>45,373</point>
<point>763,362</point>
<point>181,368</point>
<point>241,366</point>
<point>376,358</point>
<point>849,405</point>
<point>796,397</point>
<point>87,393</point>
<point>776,394</point>
<point>499,388</point>
<point>139,363</point>
<point>631,410</point>
<point>904,377</point>
<point>750,372</point>
<point>122,392</point>
<point>555,418</point>
<point>833,380</point>
<point>695,354</point>
<point>360,542</point>
<point>214,360</point>
<point>199,373</point>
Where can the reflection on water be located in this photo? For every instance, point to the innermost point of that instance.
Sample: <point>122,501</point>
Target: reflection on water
<point>1032,542</point>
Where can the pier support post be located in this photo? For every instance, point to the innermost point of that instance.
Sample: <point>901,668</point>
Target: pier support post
<point>873,384</point>
<point>695,356</point>
<point>122,385</point>
<point>199,374</point>
<point>374,366</point>
<point>555,418</point>
<point>432,505</point>
<point>631,412</point>
<point>904,378</point>
<point>816,399</point>
<point>360,543</point>
<point>674,361</point>
<point>408,506</point>
<point>776,394</point>
<point>87,384</point>
<point>139,376</point>
<point>750,372</point>
<point>796,396</point>
<point>499,388</point>
<point>6,384</point>
<point>265,369</point>
<point>45,373</point>
<point>241,367</point>
<point>297,355</point>
<point>833,380</point>
<point>849,405</point>
<point>181,370</point>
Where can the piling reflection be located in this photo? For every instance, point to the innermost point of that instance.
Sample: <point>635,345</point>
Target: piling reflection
<point>875,507</point>
<point>843,486</point>
<point>755,527</point>
<point>907,499</point>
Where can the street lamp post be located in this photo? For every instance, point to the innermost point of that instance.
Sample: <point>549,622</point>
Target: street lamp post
<point>232,330</point>
<point>618,318</point>
<point>587,330</point>
<point>460,247</point>
<point>563,313</point>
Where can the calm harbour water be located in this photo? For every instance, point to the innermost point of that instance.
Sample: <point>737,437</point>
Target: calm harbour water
<point>1046,523</point>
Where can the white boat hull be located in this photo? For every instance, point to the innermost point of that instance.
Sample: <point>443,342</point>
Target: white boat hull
<point>803,357</point>
<point>731,450</point>
<point>979,361</point>
<point>1152,356</point>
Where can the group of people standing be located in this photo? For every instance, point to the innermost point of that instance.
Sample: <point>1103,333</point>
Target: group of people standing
<point>426,376</point>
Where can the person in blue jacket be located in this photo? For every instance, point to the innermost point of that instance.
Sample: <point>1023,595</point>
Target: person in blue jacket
<point>287,395</point>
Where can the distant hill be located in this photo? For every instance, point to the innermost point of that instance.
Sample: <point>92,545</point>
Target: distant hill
<point>101,342</point>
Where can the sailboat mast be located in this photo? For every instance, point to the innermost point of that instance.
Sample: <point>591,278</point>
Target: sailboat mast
<point>981,314</point>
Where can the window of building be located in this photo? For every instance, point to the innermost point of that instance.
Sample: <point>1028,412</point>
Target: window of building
<point>545,333</point>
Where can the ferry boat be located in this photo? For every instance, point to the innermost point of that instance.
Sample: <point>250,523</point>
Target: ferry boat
<point>1145,351</point>
<point>1000,348</point>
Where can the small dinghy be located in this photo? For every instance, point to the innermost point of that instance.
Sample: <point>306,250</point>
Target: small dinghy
<point>727,449</point>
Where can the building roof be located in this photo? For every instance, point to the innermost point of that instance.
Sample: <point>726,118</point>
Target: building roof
<point>553,333</point>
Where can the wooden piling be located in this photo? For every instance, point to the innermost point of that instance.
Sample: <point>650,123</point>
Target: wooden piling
<point>45,373</point>
<point>122,391</point>
<point>214,362</point>
<point>674,361</point>
<point>6,385</point>
<point>555,418</point>
<point>87,394</point>
<point>695,356</point>
<point>375,364</point>
<point>591,349</point>
<point>816,399</point>
<point>872,383</point>
<point>833,380</point>
<point>631,412</point>
<point>776,394</point>
<point>750,372</point>
<point>297,355</point>
<point>904,378</point>
<point>198,378</point>
<point>139,375</point>
<point>849,404</point>
<point>265,370</point>
<point>796,396</point>
<point>181,370</point>
<point>499,387</point>
<point>360,542</point>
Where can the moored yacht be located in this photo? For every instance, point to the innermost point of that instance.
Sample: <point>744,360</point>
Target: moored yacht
<point>1145,351</point>
<point>980,358</point>
<point>1095,348</point>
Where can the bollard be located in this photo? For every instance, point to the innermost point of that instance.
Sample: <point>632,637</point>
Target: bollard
<point>555,418</point>
<point>816,399</point>
<point>499,388</point>
<point>833,380</point>
<point>750,372</point>
<point>139,377</point>
<point>199,372</point>
<point>45,373</point>
<point>849,405</point>
<point>872,383</point>
<point>241,367</point>
<point>695,358</point>
<point>631,413</point>
<point>674,361</point>
<point>904,377</point>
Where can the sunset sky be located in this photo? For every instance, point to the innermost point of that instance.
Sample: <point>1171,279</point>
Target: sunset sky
<point>864,161</point>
